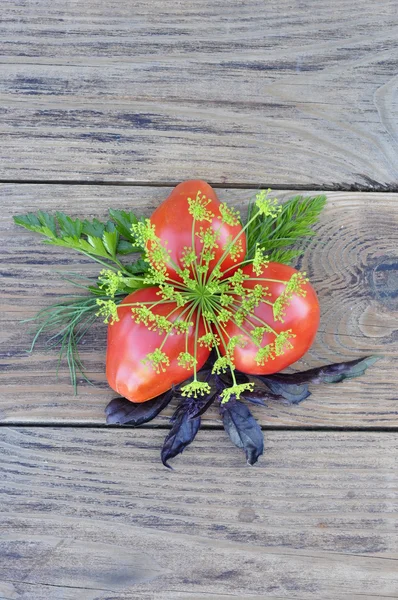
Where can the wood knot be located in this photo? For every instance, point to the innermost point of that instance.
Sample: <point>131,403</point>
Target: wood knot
<point>246,515</point>
<point>384,282</point>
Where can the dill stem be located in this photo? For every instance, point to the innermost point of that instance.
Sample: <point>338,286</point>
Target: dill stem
<point>226,251</point>
<point>171,330</point>
<point>194,264</point>
<point>195,346</point>
<point>102,262</point>
<point>254,316</point>
<point>237,266</point>
<point>267,279</point>
<point>245,331</point>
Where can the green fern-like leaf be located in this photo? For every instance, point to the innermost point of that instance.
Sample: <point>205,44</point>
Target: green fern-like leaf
<point>291,226</point>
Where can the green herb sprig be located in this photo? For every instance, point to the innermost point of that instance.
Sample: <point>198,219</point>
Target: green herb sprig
<point>93,238</point>
<point>292,225</point>
<point>66,323</point>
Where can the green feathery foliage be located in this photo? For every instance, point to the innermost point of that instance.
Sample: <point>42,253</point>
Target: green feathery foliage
<point>66,323</point>
<point>275,233</point>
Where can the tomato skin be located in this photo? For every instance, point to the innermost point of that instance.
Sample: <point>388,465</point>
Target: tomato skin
<point>129,343</point>
<point>174,223</point>
<point>302,317</point>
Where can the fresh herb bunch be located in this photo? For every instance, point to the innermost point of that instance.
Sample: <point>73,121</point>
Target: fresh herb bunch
<point>67,321</point>
<point>269,226</point>
<point>184,317</point>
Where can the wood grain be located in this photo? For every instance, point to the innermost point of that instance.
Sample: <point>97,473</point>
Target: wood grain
<point>352,264</point>
<point>90,514</point>
<point>276,92</point>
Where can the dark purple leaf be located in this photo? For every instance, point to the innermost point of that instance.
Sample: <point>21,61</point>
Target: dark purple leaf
<point>333,373</point>
<point>243,429</point>
<point>181,434</point>
<point>121,411</point>
<point>258,395</point>
<point>210,361</point>
<point>227,379</point>
<point>198,406</point>
<point>289,391</point>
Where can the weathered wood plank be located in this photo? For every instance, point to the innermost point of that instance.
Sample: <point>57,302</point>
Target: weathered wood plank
<point>352,264</point>
<point>277,92</point>
<point>85,510</point>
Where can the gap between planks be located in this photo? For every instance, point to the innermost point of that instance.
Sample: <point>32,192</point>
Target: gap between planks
<point>372,186</point>
<point>204,427</point>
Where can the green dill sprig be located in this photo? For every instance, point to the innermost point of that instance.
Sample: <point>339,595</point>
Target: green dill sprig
<point>65,324</point>
<point>290,225</point>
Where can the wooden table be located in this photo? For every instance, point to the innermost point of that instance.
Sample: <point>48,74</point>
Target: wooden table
<point>110,104</point>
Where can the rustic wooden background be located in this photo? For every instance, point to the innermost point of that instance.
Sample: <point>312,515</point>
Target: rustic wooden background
<point>110,104</point>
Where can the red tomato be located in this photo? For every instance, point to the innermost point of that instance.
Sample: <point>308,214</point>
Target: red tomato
<point>173,224</point>
<point>129,343</point>
<point>302,317</point>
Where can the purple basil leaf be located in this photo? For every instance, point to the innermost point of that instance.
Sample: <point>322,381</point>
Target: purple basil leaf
<point>339,371</point>
<point>210,361</point>
<point>121,411</point>
<point>181,434</point>
<point>257,396</point>
<point>289,391</point>
<point>243,429</point>
<point>198,406</point>
<point>333,373</point>
<point>227,379</point>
